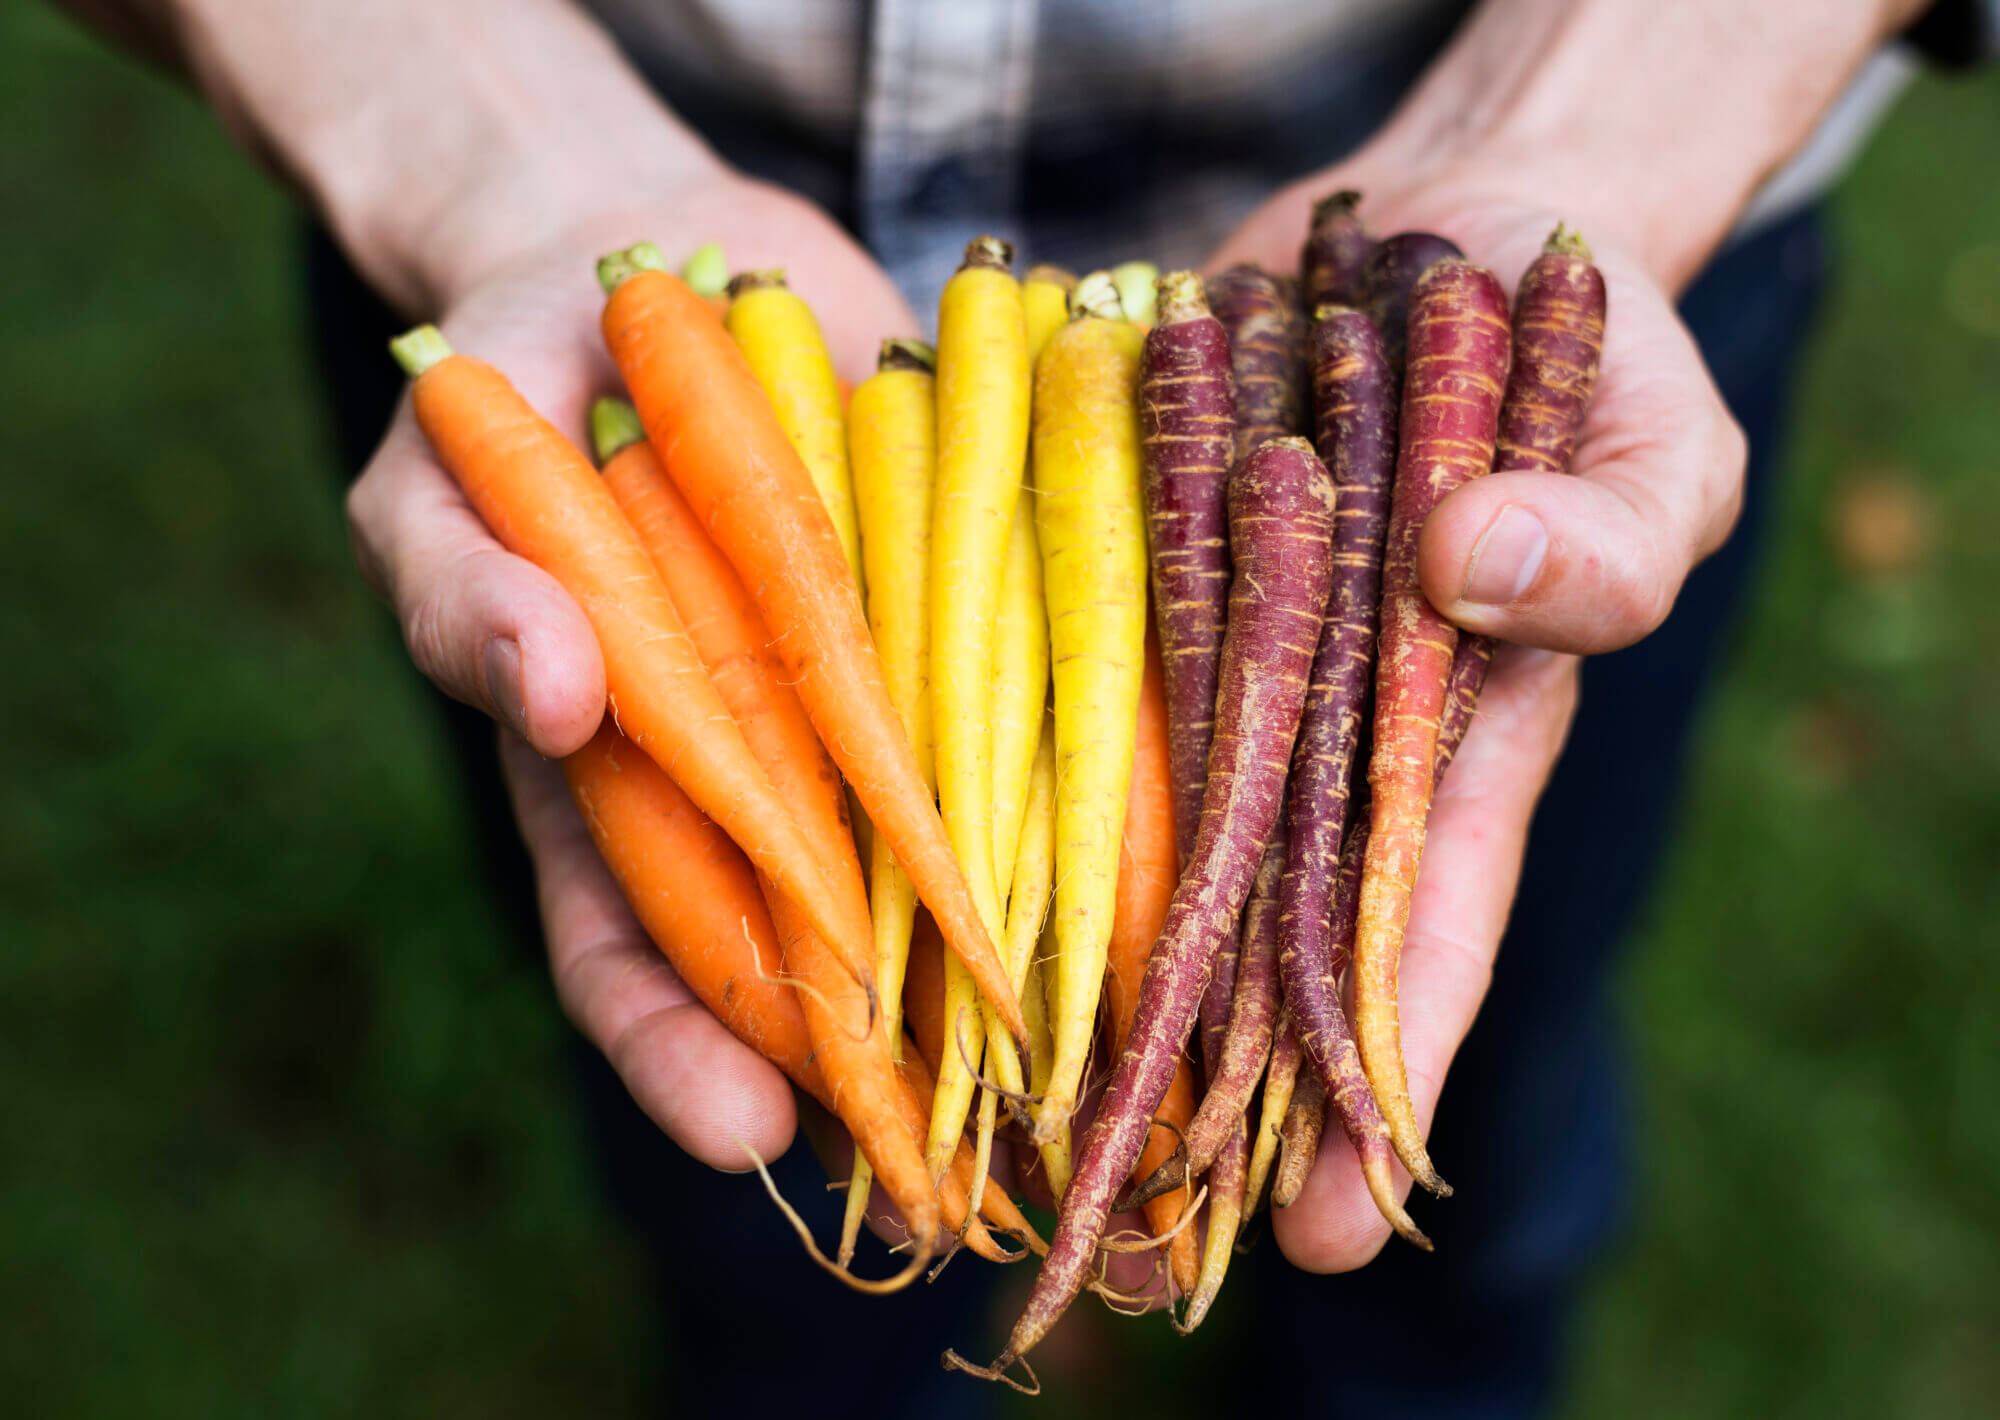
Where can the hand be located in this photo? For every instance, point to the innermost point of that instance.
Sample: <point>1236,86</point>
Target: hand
<point>498,633</point>
<point>1565,565</point>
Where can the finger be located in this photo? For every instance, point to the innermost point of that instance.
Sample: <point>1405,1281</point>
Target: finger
<point>710,1092</point>
<point>490,628</point>
<point>1593,562</point>
<point>1472,862</point>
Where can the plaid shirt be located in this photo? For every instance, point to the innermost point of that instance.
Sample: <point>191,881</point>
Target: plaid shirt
<point>1085,131</point>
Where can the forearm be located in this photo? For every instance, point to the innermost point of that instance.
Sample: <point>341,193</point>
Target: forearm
<point>436,139</point>
<point>1651,123</point>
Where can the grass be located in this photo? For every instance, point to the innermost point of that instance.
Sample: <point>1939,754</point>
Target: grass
<point>286,1126</point>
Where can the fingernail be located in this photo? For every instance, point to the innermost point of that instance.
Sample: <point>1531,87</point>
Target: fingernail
<point>1506,559</point>
<point>503,682</point>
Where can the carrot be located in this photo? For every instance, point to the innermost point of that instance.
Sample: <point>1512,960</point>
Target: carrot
<point>1188,423</point>
<point>1337,249</point>
<point>1354,398</point>
<point>1267,352</point>
<point>1240,1045</point>
<point>696,895</point>
<point>1091,523</point>
<point>542,499</point>
<point>715,432</point>
<point>982,391</point>
<point>1451,408</point>
<point>1227,1183</point>
<point>892,455</point>
<point>1027,908</point>
<point>1280,1080</point>
<point>1020,686</point>
<point>781,341</point>
<point>1299,1146</point>
<point>1558,338</point>
<point>1280,528</point>
<point>1045,305</point>
<point>1148,867</point>
<point>1387,279</point>
<point>892,448</point>
<point>734,646</point>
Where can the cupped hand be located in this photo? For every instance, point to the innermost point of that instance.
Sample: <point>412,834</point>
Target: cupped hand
<point>1561,566</point>
<point>496,632</point>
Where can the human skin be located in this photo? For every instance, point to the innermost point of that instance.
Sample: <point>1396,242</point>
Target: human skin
<point>473,160</point>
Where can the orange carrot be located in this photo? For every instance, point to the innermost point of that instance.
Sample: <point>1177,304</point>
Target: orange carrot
<point>696,895</point>
<point>544,501</point>
<point>1148,867</point>
<point>729,634</point>
<point>714,430</point>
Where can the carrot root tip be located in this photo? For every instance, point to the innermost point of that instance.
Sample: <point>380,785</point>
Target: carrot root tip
<point>920,1250</point>
<point>1002,1364</point>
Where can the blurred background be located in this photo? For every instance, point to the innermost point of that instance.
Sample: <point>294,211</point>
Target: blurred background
<point>285,1130</point>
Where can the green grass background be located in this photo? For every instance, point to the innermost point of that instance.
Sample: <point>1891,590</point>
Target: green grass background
<point>282,1131</point>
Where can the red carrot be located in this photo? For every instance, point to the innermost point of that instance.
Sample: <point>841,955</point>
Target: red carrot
<point>1188,422</point>
<point>1459,352</point>
<point>1389,277</point>
<point>1267,352</point>
<point>1280,527</point>
<point>1337,249</point>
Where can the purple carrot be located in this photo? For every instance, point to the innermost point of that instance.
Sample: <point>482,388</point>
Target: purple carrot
<point>1336,250</point>
<point>1267,348</point>
<point>1558,338</point>
<point>1355,405</point>
<point>1298,1143</point>
<point>1236,1054</point>
<point>1388,279</point>
<point>1459,353</point>
<point>1187,421</point>
<point>1280,530</point>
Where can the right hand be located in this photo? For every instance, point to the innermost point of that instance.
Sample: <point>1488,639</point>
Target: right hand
<point>498,633</point>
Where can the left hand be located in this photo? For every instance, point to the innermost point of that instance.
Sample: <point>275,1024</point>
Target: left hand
<point>1562,566</point>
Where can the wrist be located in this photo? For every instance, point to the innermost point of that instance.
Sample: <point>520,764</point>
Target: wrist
<point>439,141</point>
<point>1650,126</point>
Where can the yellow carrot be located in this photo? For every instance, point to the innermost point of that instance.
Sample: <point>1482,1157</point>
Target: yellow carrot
<point>1020,685</point>
<point>781,341</point>
<point>1045,303</point>
<point>982,412</point>
<point>1027,909</point>
<point>1092,527</point>
<point>892,452</point>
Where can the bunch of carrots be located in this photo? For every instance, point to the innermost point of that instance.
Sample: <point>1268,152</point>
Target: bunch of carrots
<point>1067,687</point>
